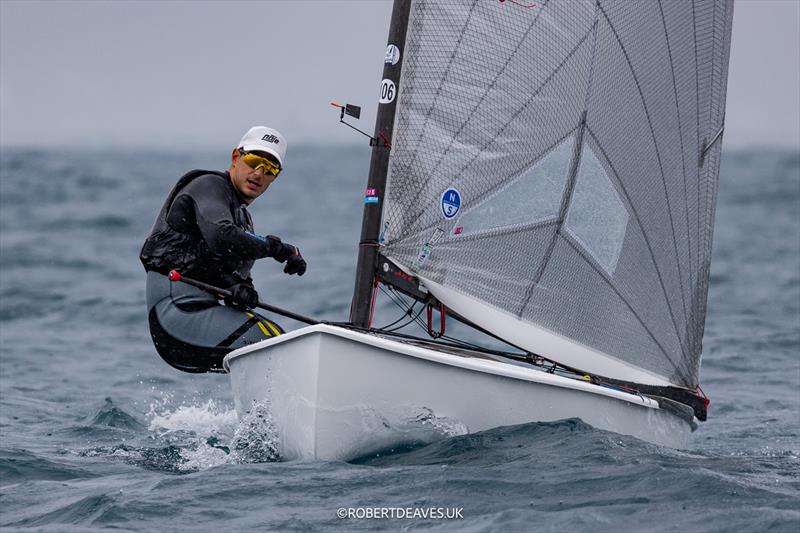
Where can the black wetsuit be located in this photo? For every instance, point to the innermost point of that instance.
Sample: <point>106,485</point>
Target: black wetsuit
<point>205,232</point>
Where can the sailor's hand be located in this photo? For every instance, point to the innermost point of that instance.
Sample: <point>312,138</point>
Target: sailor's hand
<point>242,295</point>
<point>295,264</point>
<point>281,251</point>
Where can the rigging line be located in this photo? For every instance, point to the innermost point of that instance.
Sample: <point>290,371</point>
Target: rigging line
<point>418,321</point>
<point>638,220</point>
<point>404,315</point>
<point>396,299</point>
<point>660,165</point>
<point>470,345</point>
<point>477,105</point>
<point>691,324</point>
<point>509,355</point>
<point>423,326</point>
<point>400,302</point>
<point>459,343</point>
<point>414,318</point>
<point>530,358</point>
<point>420,210</point>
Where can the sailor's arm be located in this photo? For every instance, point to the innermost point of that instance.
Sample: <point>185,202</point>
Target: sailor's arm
<point>208,211</point>
<point>207,200</point>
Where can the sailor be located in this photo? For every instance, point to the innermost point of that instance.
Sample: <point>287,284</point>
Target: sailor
<point>205,232</point>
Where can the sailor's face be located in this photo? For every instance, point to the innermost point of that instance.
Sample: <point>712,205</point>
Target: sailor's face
<point>249,182</point>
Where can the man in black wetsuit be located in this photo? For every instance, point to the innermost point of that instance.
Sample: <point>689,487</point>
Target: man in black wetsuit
<point>205,232</point>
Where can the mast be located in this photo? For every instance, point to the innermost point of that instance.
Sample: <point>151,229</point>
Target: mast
<point>361,306</point>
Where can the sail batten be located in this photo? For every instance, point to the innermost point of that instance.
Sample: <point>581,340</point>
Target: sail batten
<point>606,244</point>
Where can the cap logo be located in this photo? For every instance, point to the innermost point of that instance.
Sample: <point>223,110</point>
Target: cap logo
<point>270,138</point>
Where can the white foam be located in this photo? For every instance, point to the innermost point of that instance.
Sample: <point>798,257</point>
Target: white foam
<point>210,435</point>
<point>206,420</point>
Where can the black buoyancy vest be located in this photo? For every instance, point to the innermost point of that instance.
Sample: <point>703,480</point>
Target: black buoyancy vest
<point>167,248</point>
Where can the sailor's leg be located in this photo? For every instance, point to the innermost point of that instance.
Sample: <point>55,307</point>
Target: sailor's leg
<point>193,332</point>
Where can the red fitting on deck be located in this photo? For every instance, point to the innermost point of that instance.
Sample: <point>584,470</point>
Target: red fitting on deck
<point>442,315</point>
<point>702,395</point>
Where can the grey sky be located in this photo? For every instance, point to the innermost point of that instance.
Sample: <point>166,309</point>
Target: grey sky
<point>198,74</point>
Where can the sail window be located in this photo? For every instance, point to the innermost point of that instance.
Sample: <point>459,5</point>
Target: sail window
<point>534,196</point>
<point>597,218</point>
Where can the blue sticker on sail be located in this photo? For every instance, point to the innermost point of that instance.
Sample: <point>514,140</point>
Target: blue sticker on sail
<point>371,200</point>
<point>451,202</point>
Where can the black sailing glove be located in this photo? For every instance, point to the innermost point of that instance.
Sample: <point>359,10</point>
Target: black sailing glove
<point>295,264</point>
<point>286,253</point>
<point>242,295</point>
<point>280,251</point>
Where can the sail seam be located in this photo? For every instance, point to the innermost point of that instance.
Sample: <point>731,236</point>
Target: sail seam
<point>663,178</point>
<point>579,250</point>
<point>455,135</point>
<point>594,57</point>
<point>450,62</point>
<point>517,174</point>
<point>508,230</point>
<point>522,108</point>
<point>698,168</point>
<point>704,167</point>
<point>689,322</point>
<point>712,211</point>
<point>637,218</point>
<point>569,187</point>
<point>711,99</point>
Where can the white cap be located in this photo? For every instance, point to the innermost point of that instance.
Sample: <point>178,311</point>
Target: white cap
<point>263,139</point>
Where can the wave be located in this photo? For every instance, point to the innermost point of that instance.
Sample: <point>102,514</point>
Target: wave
<point>17,466</point>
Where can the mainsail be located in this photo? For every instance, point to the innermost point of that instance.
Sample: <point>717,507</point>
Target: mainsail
<point>553,174</point>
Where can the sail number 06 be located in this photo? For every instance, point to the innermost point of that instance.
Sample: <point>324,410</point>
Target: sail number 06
<point>387,91</point>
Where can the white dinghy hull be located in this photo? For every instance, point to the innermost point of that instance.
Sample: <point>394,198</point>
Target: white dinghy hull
<point>336,394</point>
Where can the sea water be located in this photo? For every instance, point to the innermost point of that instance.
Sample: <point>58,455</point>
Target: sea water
<point>96,432</point>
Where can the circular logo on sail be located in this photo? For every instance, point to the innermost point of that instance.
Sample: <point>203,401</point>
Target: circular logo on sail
<point>451,202</point>
<point>392,55</point>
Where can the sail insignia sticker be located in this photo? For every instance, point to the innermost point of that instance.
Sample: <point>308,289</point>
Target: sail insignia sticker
<point>450,203</point>
<point>392,55</point>
<point>426,250</point>
<point>387,91</point>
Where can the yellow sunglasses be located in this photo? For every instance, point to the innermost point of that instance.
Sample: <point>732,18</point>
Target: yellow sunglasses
<point>256,161</point>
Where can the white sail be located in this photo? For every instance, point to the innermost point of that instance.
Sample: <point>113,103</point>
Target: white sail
<point>554,170</point>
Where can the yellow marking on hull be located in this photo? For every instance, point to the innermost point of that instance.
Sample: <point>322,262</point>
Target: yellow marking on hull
<point>261,323</point>
<point>272,328</point>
